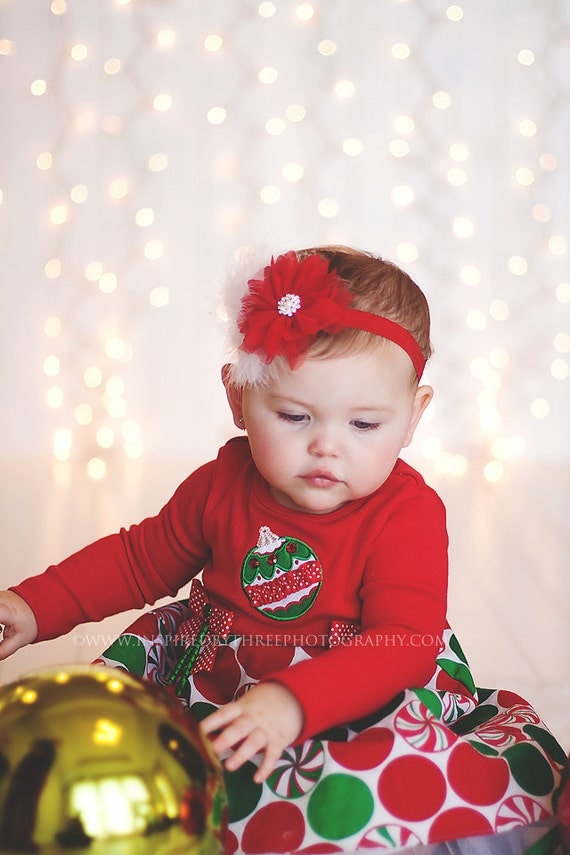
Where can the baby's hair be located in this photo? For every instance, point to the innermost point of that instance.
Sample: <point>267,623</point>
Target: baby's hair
<point>379,287</point>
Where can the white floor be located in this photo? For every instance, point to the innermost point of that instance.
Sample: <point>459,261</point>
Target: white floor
<point>509,599</point>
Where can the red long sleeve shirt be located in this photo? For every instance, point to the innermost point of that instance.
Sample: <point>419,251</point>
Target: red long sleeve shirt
<point>287,576</point>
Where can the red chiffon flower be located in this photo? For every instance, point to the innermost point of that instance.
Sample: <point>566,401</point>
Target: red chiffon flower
<point>282,314</point>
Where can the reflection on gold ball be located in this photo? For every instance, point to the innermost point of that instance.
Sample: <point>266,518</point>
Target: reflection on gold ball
<point>94,760</point>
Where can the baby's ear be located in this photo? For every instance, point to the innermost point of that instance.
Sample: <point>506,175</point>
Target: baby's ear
<point>234,396</point>
<point>423,396</point>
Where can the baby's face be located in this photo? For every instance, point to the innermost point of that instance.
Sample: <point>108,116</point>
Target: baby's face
<point>331,430</point>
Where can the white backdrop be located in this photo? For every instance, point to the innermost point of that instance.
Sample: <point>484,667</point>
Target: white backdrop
<point>143,142</point>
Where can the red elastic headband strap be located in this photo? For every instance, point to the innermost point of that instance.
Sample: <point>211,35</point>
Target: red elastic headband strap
<point>376,324</point>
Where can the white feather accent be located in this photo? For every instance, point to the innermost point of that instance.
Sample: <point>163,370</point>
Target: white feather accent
<point>247,369</point>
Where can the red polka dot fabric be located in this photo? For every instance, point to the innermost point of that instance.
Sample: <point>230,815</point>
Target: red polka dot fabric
<point>442,762</point>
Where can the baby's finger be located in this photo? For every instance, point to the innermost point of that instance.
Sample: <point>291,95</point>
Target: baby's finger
<point>9,644</point>
<point>249,747</point>
<point>220,718</point>
<point>268,763</point>
<point>232,735</point>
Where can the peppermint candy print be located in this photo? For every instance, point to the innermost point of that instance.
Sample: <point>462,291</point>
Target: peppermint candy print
<point>519,810</point>
<point>505,728</point>
<point>422,729</point>
<point>389,837</point>
<point>454,705</point>
<point>298,770</point>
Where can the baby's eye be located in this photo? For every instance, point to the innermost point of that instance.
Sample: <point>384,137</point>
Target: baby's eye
<point>361,425</point>
<point>294,418</point>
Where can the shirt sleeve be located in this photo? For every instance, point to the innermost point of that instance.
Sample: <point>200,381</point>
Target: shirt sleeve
<point>126,570</point>
<point>404,600</point>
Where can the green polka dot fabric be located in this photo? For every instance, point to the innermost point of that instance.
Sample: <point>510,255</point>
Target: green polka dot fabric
<point>441,762</point>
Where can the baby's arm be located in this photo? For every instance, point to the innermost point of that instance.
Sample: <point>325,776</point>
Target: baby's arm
<point>268,718</point>
<point>18,621</point>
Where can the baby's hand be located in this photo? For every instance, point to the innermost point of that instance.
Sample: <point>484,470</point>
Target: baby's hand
<point>267,718</point>
<point>19,623</point>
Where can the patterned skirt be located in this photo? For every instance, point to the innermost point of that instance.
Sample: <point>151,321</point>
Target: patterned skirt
<point>440,762</point>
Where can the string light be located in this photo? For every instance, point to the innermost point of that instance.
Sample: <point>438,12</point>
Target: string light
<point>93,377</point>
<point>166,37</point>
<point>59,214</point>
<point>463,227</point>
<point>7,47</point>
<point>499,310</point>
<point>270,194</point>
<point>403,195</point>
<point>154,249</point>
<point>112,66</point>
<point>105,437</point>
<point>518,265</point>
<point>293,172</point>
<point>266,10</point>
<point>159,297</point>
<point>404,124</point>
<point>101,286</point>
<point>399,148</point>
<point>527,128</point>
<point>96,468</point>
<point>524,176</point>
<point>353,146</point>
<point>304,12</point>
<point>454,13</point>
<point>525,57</point>
<point>79,52</point>
<point>108,283</point>
<point>326,47</point>
<point>275,126</point>
<point>54,397</point>
<point>494,470</point>
<point>213,42</point>
<point>458,152</point>
<point>144,217</point>
<point>470,274</point>
<point>38,88</point>
<point>44,160</point>
<point>457,177</point>
<point>159,161</point>
<point>540,408</point>
<point>52,326</point>
<point>400,50</point>
<point>541,213</point>
<point>328,208</point>
<point>162,102</point>
<point>51,366</point>
<point>216,115</point>
<point>407,252</point>
<point>558,245</point>
<point>295,112</point>
<point>79,194</point>
<point>83,414</point>
<point>268,75</point>
<point>548,161</point>
<point>476,320</point>
<point>441,100</point>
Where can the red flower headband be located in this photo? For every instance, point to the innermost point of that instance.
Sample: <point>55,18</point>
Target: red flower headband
<point>282,314</point>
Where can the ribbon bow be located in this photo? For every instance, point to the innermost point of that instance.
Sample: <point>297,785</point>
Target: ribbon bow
<point>200,635</point>
<point>342,631</point>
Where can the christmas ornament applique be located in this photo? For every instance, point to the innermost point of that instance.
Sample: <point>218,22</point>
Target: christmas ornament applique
<point>281,576</point>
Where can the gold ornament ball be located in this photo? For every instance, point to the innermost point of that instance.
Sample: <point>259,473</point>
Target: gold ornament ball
<point>94,760</point>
